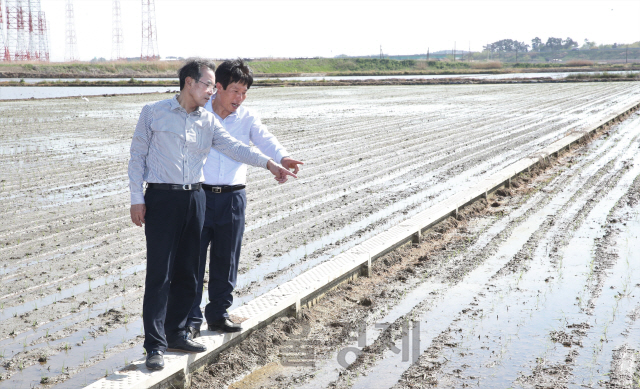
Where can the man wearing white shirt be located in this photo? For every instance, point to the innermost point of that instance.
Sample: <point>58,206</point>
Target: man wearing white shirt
<point>169,146</point>
<point>224,182</point>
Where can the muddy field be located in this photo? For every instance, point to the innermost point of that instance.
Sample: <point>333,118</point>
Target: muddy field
<point>538,287</point>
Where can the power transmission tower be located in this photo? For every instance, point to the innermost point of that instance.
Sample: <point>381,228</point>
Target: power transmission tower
<point>117,39</point>
<point>4,50</point>
<point>71,43</point>
<point>22,54</point>
<point>43,38</point>
<point>17,33</point>
<point>34,45</point>
<point>149,38</point>
<point>22,51</point>
<point>11,44</point>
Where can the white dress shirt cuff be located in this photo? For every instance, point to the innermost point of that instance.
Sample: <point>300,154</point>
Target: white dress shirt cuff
<point>137,198</point>
<point>281,154</point>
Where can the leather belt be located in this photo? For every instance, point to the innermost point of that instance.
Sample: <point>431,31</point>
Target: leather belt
<point>175,186</point>
<point>222,188</point>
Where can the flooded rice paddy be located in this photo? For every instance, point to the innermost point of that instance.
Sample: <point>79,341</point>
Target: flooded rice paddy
<point>43,92</point>
<point>550,267</point>
<point>541,292</point>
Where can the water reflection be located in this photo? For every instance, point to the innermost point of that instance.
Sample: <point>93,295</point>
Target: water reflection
<point>48,92</point>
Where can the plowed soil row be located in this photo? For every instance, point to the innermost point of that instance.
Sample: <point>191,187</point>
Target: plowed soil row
<point>537,287</point>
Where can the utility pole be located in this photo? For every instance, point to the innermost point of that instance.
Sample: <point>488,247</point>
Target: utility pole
<point>454,51</point>
<point>427,53</point>
<point>626,54</point>
<point>516,54</point>
<point>381,55</point>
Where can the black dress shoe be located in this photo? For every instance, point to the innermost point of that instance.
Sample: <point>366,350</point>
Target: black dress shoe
<point>192,332</point>
<point>186,344</point>
<point>155,360</point>
<point>224,325</point>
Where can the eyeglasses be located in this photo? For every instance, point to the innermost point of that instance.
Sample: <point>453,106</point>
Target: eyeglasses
<point>209,85</point>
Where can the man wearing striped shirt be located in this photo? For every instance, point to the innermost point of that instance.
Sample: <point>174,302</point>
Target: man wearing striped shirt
<point>224,182</point>
<point>169,146</point>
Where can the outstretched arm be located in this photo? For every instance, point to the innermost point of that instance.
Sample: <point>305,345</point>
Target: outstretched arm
<point>269,145</point>
<point>233,148</point>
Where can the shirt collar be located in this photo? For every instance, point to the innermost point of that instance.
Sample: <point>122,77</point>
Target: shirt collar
<point>175,105</point>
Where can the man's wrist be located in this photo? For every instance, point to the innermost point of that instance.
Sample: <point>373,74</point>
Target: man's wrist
<point>286,156</point>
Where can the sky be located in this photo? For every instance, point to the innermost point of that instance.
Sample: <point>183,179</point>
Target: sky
<point>289,29</point>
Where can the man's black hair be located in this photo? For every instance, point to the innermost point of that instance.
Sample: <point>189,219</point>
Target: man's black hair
<point>193,68</point>
<point>229,72</point>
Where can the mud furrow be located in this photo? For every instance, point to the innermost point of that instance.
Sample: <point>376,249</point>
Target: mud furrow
<point>597,181</point>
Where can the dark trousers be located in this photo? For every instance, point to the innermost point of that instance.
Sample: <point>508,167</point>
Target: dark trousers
<point>223,229</point>
<point>173,223</point>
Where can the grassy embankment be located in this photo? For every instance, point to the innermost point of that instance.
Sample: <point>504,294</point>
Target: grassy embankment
<point>368,66</point>
<point>329,66</point>
<point>90,69</point>
<point>74,72</point>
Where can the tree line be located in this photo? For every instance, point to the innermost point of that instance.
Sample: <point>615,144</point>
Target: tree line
<point>552,44</point>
